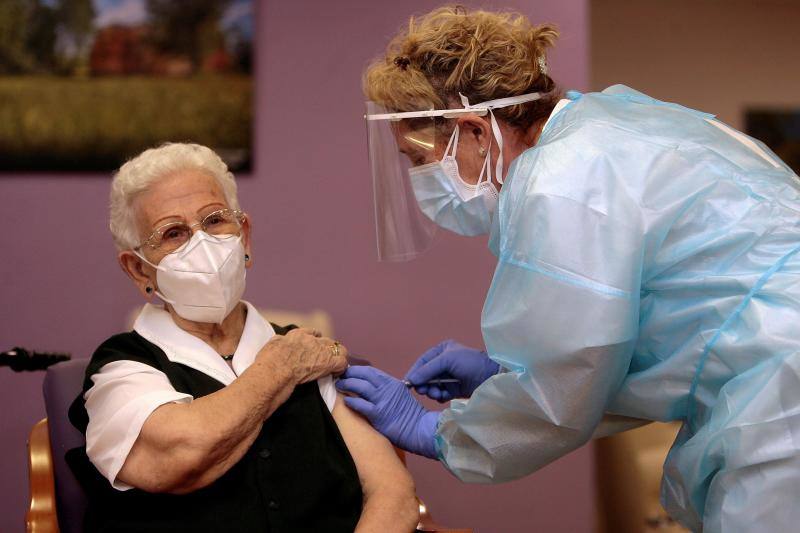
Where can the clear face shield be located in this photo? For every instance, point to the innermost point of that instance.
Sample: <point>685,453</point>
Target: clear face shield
<point>397,143</point>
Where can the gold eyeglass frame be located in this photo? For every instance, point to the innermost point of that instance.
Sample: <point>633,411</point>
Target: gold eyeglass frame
<point>239,217</point>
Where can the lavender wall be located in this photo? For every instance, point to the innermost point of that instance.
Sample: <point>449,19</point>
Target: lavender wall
<point>310,202</point>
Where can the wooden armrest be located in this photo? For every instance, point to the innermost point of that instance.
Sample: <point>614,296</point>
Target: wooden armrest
<point>41,515</point>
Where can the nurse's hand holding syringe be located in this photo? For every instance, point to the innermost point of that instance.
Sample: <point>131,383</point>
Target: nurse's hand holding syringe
<point>450,370</point>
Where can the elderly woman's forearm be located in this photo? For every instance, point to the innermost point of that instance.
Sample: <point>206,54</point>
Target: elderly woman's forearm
<point>183,447</point>
<point>184,467</point>
<point>216,446</point>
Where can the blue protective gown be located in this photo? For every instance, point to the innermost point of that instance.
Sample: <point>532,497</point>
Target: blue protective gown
<point>647,267</point>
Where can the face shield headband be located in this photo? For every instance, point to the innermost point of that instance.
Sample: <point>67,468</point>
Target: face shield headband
<point>403,231</point>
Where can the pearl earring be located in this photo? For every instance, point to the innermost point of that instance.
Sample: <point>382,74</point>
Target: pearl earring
<point>482,151</point>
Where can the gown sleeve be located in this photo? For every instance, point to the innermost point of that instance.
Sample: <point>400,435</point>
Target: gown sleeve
<point>561,316</point>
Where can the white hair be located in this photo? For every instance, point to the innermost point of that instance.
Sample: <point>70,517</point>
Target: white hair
<point>135,176</point>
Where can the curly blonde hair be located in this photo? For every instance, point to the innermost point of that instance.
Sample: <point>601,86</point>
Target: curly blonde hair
<point>480,54</point>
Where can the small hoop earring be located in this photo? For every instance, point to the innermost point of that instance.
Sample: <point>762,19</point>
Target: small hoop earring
<point>246,257</point>
<point>148,289</point>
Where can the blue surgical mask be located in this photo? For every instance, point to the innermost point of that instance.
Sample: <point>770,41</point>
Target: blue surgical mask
<point>451,202</point>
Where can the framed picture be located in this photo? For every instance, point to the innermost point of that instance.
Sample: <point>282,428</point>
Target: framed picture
<point>87,84</point>
<point>780,130</point>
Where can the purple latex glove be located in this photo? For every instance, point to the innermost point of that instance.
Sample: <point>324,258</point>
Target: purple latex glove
<point>448,360</point>
<point>389,406</point>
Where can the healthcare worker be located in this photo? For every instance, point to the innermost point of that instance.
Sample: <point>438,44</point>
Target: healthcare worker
<point>647,268</point>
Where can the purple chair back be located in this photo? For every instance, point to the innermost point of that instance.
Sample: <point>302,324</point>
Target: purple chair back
<point>62,384</point>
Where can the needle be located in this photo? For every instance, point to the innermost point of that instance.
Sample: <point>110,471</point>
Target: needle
<point>431,382</point>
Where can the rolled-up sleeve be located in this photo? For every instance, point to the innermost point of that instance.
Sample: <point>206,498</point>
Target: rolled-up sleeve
<point>124,394</point>
<point>328,391</point>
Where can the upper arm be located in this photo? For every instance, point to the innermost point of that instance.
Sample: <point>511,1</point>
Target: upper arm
<point>122,399</point>
<point>379,467</point>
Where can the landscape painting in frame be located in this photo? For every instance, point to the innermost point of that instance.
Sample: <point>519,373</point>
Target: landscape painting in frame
<point>87,84</point>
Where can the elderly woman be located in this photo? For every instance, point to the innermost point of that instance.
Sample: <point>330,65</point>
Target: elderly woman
<point>206,417</point>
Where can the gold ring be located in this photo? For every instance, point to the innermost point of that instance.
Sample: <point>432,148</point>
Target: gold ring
<point>335,348</point>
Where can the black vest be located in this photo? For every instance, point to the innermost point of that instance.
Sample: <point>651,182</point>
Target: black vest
<point>298,475</point>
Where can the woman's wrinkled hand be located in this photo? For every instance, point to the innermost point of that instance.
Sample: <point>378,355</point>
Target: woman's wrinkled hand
<point>306,355</point>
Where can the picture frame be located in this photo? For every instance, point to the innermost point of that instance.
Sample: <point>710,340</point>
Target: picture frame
<point>87,84</point>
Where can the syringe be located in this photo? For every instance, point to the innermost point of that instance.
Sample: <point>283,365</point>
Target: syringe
<point>431,382</point>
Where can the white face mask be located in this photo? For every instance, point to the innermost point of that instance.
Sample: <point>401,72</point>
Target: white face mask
<point>448,200</point>
<point>204,279</point>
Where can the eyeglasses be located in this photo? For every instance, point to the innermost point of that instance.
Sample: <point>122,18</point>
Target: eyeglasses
<point>223,224</point>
